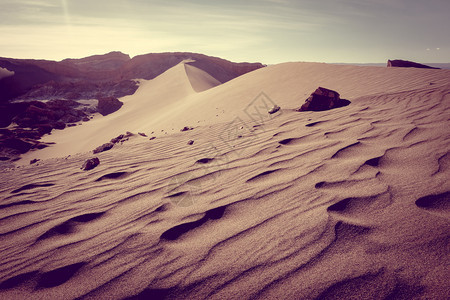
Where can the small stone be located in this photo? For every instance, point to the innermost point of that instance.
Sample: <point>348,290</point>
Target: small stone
<point>191,142</point>
<point>274,109</point>
<point>33,161</point>
<point>142,134</point>
<point>186,128</point>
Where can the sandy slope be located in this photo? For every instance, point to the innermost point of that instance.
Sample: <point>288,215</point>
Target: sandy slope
<point>332,205</point>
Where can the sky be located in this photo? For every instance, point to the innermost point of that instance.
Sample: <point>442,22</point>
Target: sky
<point>267,31</point>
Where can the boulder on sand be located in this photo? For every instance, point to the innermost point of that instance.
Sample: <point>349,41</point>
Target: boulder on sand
<point>274,109</point>
<point>323,99</point>
<point>90,164</point>
<point>108,105</point>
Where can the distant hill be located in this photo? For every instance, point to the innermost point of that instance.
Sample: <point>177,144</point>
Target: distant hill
<point>435,65</point>
<point>110,74</point>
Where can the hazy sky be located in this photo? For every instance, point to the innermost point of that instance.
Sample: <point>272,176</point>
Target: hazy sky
<point>269,31</point>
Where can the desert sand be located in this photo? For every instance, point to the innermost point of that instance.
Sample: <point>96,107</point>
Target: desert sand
<point>350,203</point>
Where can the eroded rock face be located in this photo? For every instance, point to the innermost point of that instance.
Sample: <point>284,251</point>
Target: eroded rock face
<point>323,99</point>
<point>108,105</point>
<point>407,64</point>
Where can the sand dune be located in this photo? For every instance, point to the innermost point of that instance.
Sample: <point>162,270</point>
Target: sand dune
<point>170,102</point>
<point>347,203</point>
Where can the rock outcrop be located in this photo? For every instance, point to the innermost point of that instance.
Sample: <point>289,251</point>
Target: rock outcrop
<point>14,142</point>
<point>34,113</point>
<point>323,99</point>
<point>103,148</point>
<point>108,105</point>
<point>407,64</point>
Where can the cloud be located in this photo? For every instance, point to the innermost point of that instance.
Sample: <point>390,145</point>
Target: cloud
<point>5,73</point>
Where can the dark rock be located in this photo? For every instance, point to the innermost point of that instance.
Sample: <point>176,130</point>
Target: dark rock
<point>33,161</point>
<point>142,134</point>
<point>9,111</point>
<point>44,128</point>
<point>191,142</point>
<point>26,133</point>
<point>323,99</point>
<point>108,105</point>
<point>407,64</point>
<point>40,146</point>
<point>71,125</point>
<point>62,104</point>
<point>186,128</point>
<point>17,144</point>
<point>6,133</point>
<point>59,125</point>
<point>4,158</point>
<point>274,109</point>
<point>90,164</point>
<point>152,138</point>
<point>85,119</point>
<point>70,118</point>
<point>117,139</point>
<point>104,147</point>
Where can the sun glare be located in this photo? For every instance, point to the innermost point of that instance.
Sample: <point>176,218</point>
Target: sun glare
<point>66,12</point>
